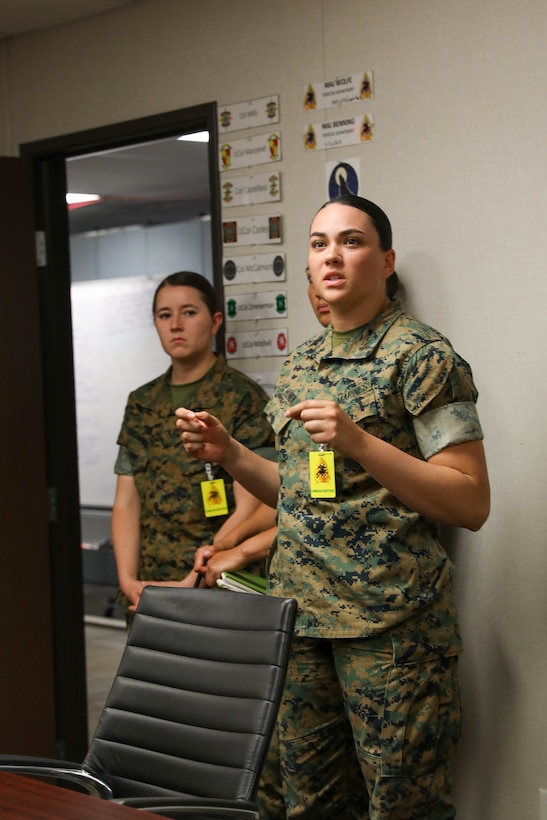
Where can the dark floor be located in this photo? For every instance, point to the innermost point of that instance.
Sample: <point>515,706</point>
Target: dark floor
<point>105,637</point>
<point>104,648</point>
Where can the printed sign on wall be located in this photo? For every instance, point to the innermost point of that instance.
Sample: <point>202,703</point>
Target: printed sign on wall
<point>250,151</point>
<point>260,305</point>
<point>251,190</point>
<point>340,91</point>
<point>263,267</point>
<point>333,133</point>
<point>264,229</point>
<point>254,343</point>
<point>342,177</point>
<point>235,116</point>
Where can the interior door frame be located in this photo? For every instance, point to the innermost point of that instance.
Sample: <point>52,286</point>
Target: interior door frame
<point>51,218</point>
<point>27,689</point>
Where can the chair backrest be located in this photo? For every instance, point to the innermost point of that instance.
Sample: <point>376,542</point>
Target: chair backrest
<point>193,705</point>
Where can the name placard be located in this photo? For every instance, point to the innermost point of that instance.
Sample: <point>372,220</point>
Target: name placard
<point>236,116</point>
<point>254,343</point>
<point>250,151</point>
<point>260,305</point>
<point>263,267</point>
<point>342,131</point>
<point>264,229</point>
<point>251,190</point>
<point>339,91</point>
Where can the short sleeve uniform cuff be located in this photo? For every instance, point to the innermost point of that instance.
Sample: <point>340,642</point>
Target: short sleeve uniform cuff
<point>123,464</point>
<point>446,426</point>
<point>270,453</point>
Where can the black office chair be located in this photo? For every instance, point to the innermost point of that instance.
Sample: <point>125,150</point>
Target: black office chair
<point>188,721</point>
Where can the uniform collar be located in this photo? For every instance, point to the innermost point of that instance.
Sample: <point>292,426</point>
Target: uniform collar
<point>162,388</point>
<point>363,342</point>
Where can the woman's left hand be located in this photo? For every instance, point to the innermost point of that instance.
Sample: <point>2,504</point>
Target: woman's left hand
<point>327,424</point>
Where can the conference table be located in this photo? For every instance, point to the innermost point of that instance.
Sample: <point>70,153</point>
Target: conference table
<point>37,800</point>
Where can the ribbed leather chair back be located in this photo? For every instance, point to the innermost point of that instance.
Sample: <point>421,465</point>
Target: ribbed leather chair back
<point>194,701</point>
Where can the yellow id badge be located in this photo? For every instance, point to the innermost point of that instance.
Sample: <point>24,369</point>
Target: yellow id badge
<point>213,493</point>
<point>322,474</point>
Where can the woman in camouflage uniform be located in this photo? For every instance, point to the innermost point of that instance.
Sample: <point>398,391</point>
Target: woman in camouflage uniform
<point>371,712</point>
<point>158,518</point>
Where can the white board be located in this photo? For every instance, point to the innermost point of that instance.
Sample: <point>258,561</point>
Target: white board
<point>116,349</point>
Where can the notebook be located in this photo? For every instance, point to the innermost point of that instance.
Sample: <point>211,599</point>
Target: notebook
<point>242,581</point>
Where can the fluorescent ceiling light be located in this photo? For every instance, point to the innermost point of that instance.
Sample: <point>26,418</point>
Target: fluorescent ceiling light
<point>74,199</point>
<point>197,136</point>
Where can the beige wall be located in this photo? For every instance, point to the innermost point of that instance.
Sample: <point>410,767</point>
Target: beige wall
<point>459,163</point>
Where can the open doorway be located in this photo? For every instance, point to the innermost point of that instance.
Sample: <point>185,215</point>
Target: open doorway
<point>144,212</point>
<point>152,216</point>
<point>51,162</point>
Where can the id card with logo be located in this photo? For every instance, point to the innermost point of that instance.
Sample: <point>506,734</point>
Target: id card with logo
<point>213,493</point>
<point>322,474</point>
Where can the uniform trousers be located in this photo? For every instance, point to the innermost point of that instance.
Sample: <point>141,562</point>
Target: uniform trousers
<point>365,734</point>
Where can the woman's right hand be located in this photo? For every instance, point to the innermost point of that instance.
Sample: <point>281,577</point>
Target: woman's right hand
<point>132,589</point>
<point>202,435</point>
<point>202,557</point>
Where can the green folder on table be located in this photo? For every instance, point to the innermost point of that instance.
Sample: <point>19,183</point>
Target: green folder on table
<point>242,581</point>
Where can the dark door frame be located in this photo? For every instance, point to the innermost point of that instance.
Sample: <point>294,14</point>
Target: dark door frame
<point>27,691</point>
<point>48,159</point>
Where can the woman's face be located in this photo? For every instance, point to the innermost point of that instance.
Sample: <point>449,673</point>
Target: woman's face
<point>184,323</point>
<point>348,268</point>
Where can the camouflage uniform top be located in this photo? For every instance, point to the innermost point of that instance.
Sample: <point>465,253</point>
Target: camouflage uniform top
<point>362,563</point>
<point>168,480</point>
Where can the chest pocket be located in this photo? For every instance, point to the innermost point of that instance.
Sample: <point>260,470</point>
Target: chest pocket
<point>359,402</point>
<point>276,407</point>
<point>278,421</point>
<point>286,429</point>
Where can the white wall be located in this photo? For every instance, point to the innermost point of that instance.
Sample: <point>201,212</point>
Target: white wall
<point>459,163</point>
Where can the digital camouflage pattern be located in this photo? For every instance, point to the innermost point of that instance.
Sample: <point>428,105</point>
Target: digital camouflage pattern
<point>168,480</point>
<point>367,569</point>
<point>400,711</point>
<point>363,563</point>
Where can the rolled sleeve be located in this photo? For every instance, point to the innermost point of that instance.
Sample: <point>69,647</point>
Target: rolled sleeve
<point>123,464</point>
<point>269,453</point>
<point>446,426</point>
